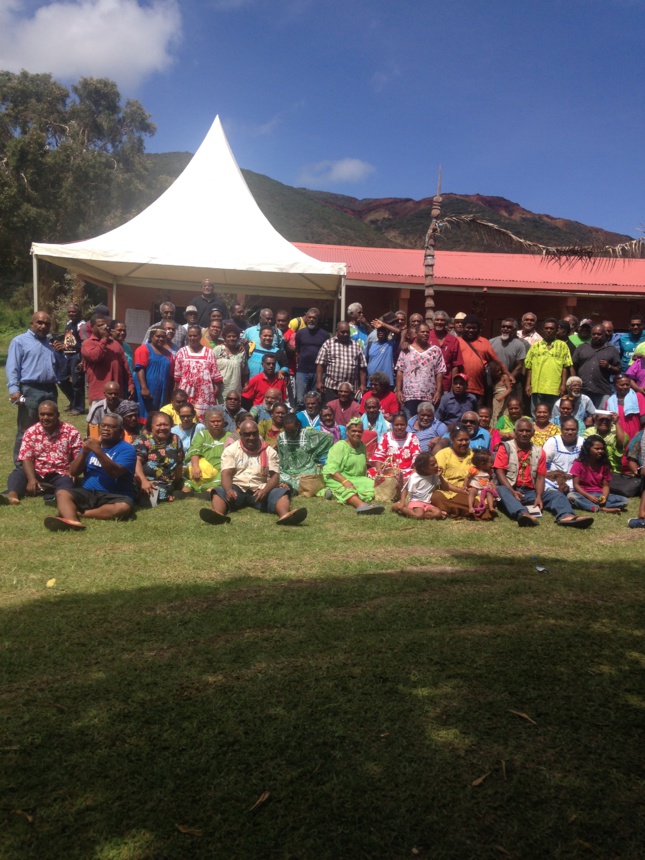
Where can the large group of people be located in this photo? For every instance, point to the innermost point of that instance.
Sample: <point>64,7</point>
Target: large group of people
<point>428,422</point>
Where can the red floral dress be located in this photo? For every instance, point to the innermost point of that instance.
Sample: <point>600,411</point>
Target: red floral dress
<point>197,373</point>
<point>396,455</point>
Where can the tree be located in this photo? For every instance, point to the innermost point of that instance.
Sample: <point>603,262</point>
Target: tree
<point>71,164</point>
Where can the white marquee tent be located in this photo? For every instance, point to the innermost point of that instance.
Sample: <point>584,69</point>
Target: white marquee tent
<point>206,225</point>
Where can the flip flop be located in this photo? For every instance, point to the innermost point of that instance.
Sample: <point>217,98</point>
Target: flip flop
<point>208,515</point>
<point>370,509</point>
<point>293,517</point>
<point>577,523</point>
<point>58,524</point>
<point>636,523</point>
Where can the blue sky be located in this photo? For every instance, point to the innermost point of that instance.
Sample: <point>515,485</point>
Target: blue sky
<point>541,103</point>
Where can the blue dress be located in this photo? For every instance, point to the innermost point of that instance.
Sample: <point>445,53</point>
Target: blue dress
<point>159,380</point>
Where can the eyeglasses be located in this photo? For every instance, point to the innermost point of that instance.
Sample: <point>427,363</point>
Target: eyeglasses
<point>507,326</point>
<point>468,421</point>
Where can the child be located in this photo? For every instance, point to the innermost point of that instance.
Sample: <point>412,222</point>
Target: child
<point>591,476</point>
<point>417,492</point>
<point>480,483</point>
<point>502,387</point>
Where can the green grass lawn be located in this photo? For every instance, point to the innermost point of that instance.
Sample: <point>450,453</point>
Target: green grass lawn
<point>366,674</point>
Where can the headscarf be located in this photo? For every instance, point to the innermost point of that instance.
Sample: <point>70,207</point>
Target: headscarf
<point>355,420</point>
<point>639,352</point>
<point>127,407</point>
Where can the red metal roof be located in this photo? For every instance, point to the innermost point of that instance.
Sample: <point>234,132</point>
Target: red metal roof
<point>516,272</point>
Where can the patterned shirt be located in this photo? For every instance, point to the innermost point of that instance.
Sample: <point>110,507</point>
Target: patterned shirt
<point>51,452</point>
<point>420,371</point>
<point>546,363</point>
<point>342,362</point>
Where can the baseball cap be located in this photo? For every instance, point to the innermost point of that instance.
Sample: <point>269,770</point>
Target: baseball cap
<point>463,376</point>
<point>460,316</point>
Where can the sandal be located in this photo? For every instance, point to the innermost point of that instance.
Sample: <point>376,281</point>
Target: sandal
<point>294,517</point>
<point>58,524</point>
<point>211,517</point>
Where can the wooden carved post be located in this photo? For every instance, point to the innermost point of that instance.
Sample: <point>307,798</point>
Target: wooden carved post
<point>428,259</point>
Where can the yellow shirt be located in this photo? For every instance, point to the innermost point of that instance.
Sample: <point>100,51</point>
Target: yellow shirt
<point>455,469</point>
<point>169,409</point>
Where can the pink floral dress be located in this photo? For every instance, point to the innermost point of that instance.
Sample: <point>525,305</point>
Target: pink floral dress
<point>197,373</point>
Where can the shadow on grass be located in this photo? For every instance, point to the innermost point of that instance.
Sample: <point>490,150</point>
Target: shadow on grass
<point>365,705</point>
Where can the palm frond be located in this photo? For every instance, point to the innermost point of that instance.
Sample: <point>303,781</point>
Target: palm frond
<point>507,241</point>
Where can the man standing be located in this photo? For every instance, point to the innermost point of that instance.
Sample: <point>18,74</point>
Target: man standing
<point>72,382</point>
<point>167,311</point>
<point>528,332</point>
<point>206,302</point>
<point>340,360</point>
<point>250,478</point>
<point>511,351</point>
<point>289,337</point>
<point>108,487</point>
<point>449,346</point>
<point>380,352</point>
<point>190,315</point>
<point>595,363</point>
<point>476,352</point>
<point>47,449</point>
<point>308,343</point>
<point>547,364</point>
<point>630,341</point>
<point>359,328</point>
<point>33,367</point>
<point>520,469</point>
<point>105,361</point>
<point>612,337</point>
<point>266,320</point>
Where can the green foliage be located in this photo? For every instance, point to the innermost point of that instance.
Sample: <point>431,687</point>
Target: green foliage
<point>71,166</point>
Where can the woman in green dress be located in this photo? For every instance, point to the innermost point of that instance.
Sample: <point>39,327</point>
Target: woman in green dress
<point>205,453</point>
<point>345,472</point>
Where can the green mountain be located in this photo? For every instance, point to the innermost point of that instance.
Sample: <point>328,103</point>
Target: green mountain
<point>303,215</point>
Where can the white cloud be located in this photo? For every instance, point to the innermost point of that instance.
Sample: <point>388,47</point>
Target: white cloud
<point>332,172</point>
<point>118,39</point>
<point>382,77</point>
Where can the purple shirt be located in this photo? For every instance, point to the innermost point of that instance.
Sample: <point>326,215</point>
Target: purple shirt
<point>637,372</point>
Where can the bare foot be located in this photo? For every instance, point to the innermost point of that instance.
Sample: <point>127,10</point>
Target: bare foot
<point>610,510</point>
<point>13,499</point>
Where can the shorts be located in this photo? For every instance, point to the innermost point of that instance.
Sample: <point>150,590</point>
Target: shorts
<point>244,499</point>
<point>425,506</point>
<point>88,500</point>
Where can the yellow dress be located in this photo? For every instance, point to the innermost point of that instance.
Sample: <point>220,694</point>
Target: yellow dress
<point>455,469</point>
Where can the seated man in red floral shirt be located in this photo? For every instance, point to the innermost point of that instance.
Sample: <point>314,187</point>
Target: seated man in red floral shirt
<point>46,452</point>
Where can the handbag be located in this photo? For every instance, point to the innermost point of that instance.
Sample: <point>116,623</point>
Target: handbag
<point>310,485</point>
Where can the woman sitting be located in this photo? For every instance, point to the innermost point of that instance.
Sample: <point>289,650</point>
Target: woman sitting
<point>345,472</point>
<point>374,426</point>
<point>381,388</point>
<point>301,450</point>
<point>628,404</point>
<point>310,415</point>
<point>583,408</point>
<point>544,427</point>
<point>153,374</point>
<point>328,424</point>
<point>188,425</point>
<point>270,428</point>
<point>591,476</point>
<point>396,452</point>
<point>205,452</point>
<point>416,496</point>
<point>455,463</point>
<point>160,459</point>
<point>567,409</point>
<point>505,425</point>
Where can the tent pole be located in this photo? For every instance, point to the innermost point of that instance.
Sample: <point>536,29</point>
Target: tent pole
<point>336,297</point>
<point>34,266</point>
<point>114,299</point>
<point>343,299</point>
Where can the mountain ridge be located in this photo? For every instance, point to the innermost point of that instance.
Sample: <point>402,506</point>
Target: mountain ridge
<point>323,217</point>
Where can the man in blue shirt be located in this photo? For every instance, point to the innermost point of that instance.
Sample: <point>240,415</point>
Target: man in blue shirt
<point>108,487</point>
<point>628,342</point>
<point>266,319</point>
<point>380,354</point>
<point>359,329</point>
<point>34,365</point>
<point>479,438</point>
<point>454,403</point>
